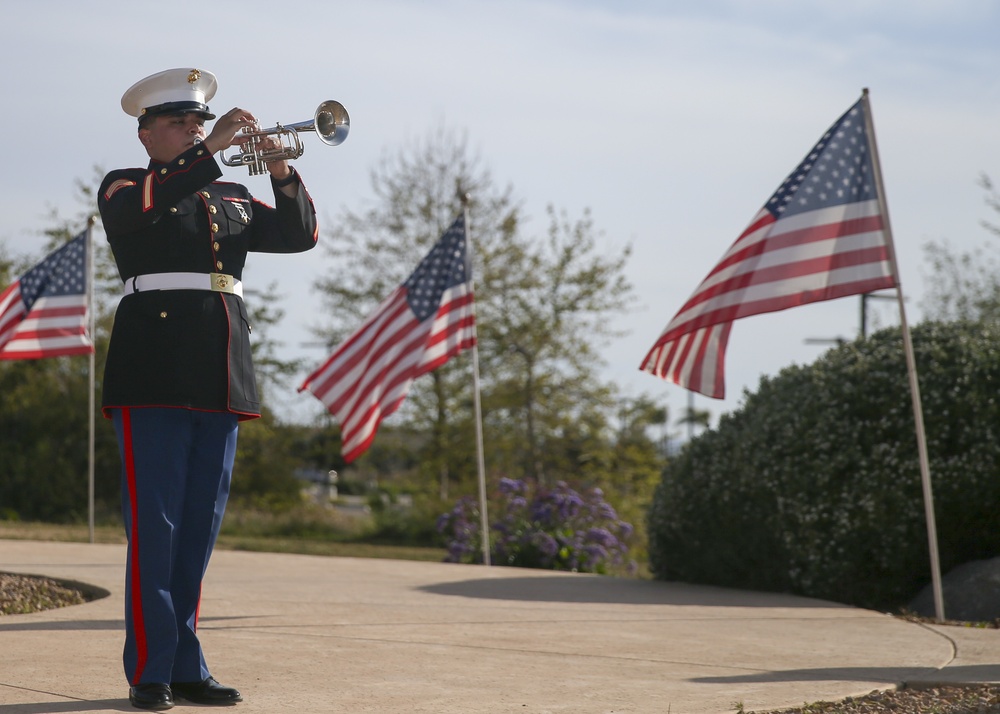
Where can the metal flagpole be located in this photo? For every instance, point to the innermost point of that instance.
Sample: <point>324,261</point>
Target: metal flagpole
<point>484,521</point>
<point>911,368</point>
<point>91,397</point>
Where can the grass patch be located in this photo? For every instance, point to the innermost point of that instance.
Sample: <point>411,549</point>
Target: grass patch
<point>329,548</point>
<point>256,542</point>
<point>65,533</point>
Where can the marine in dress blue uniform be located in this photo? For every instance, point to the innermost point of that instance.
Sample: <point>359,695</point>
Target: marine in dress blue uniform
<point>179,375</point>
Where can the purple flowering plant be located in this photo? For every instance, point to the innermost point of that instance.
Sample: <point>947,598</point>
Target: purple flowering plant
<point>535,527</point>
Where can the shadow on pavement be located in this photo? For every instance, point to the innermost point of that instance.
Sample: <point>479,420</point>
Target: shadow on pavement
<point>95,625</point>
<point>877,675</point>
<point>617,591</point>
<point>76,705</point>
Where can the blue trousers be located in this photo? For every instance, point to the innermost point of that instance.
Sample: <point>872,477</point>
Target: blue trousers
<point>176,470</point>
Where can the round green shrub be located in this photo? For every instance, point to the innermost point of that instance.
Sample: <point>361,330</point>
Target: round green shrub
<point>813,485</point>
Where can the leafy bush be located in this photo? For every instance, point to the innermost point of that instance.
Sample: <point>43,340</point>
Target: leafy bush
<point>413,525</point>
<point>813,485</point>
<point>43,442</point>
<point>533,527</point>
<point>304,521</point>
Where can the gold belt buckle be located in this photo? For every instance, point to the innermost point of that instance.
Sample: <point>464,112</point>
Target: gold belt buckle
<point>222,283</point>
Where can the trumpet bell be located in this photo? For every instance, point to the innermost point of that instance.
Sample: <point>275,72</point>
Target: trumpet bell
<point>332,123</point>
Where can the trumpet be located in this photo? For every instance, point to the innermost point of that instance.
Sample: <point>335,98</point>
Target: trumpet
<point>330,122</point>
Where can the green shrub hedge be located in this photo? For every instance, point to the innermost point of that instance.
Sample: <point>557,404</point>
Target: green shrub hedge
<point>813,485</point>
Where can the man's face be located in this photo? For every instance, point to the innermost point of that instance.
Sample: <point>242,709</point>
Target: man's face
<point>169,135</point>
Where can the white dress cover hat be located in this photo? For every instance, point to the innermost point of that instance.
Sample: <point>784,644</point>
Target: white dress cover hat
<point>170,92</point>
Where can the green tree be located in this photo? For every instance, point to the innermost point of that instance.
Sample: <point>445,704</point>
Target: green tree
<point>544,307</point>
<point>544,318</point>
<point>373,250</point>
<point>268,452</point>
<point>965,285</point>
<point>267,458</point>
<point>44,446</point>
<point>271,370</point>
<point>992,200</point>
<point>693,417</point>
<point>638,457</point>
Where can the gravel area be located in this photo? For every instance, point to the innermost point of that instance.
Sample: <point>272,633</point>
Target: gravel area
<point>978,699</point>
<point>22,594</point>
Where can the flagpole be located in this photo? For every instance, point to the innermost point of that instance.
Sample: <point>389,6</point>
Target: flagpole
<point>484,520</point>
<point>92,387</point>
<point>911,368</point>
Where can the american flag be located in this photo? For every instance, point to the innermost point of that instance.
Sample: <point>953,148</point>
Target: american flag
<point>820,236</point>
<point>45,313</point>
<point>423,323</point>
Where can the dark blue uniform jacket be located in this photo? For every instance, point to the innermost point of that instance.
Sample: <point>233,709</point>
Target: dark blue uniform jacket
<point>189,348</point>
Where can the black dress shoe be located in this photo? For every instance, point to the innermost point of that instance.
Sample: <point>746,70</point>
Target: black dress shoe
<point>208,691</point>
<point>151,696</point>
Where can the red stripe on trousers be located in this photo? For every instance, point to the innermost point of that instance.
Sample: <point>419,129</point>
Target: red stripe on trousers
<point>138,624</point>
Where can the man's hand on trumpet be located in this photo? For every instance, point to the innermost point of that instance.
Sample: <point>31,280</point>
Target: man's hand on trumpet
<point>279,168</point>
<point>228,129</point>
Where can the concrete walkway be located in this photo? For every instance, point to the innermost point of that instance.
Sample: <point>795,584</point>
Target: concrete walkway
<point>309,634</point>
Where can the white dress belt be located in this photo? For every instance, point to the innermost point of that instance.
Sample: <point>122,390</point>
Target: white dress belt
<point>216,282</point>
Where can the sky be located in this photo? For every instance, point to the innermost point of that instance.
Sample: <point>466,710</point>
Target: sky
<point>671,122</point>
